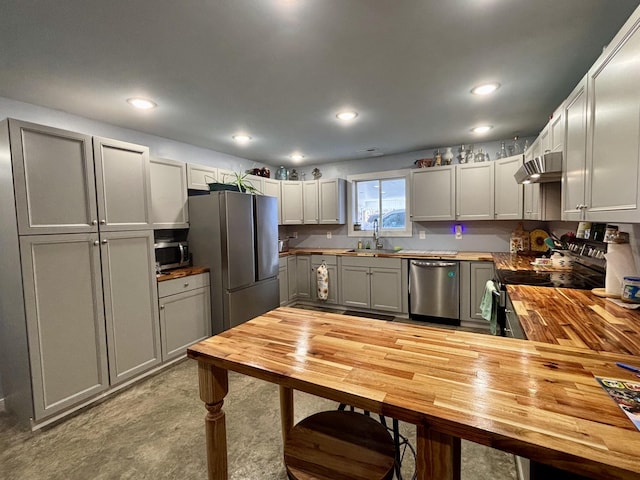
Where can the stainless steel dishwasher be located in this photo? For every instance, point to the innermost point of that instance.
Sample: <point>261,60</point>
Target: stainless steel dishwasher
<point>434,290</point>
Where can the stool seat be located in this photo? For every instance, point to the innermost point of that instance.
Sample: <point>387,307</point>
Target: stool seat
<point>339,445</point>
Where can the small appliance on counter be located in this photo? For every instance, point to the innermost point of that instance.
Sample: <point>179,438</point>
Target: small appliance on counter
<point>171,253</point>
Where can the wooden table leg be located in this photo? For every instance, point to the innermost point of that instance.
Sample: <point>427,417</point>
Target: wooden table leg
<point>214,385</point>
<point>286,411</point>
<point>437,455</point>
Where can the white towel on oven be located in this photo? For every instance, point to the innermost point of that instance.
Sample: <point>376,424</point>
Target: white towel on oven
<point>489,307</point>
<point>322,277</point>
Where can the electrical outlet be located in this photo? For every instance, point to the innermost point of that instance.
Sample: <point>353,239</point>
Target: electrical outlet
<point>423,235</point>
<point>294,234</point>
<point>458,230</point>
<point>328,234</point>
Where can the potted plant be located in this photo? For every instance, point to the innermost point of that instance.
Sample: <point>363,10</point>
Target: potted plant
<point>235,182</point>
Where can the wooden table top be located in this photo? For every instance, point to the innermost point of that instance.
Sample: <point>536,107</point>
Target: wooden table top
<point>534,399</point>
<point>577,318</point>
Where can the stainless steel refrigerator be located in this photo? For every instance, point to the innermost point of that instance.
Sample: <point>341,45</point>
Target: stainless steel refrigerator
<point>236,236</point>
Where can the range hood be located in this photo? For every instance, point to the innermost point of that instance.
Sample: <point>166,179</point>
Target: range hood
<point>547,168</point>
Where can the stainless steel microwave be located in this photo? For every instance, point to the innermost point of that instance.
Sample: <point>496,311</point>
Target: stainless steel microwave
<point>171,255</point>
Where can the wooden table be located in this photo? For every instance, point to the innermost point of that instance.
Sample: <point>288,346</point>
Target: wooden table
<point>532,399</point>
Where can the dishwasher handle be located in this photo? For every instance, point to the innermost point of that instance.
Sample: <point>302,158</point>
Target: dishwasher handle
<point>419,263</point>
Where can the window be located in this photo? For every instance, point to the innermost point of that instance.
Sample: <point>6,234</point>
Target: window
<point>379,197</point>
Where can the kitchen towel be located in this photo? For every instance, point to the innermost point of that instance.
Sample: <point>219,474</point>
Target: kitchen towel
<point>620,264</point>
<point>322,277</point>
<point>489,308</point>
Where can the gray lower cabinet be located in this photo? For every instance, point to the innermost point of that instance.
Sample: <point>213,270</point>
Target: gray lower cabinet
<point>130,303</point>
<point>91,314</point>
<point>292,277</point>
<point>303,277</point>
<point>283,281</point>
<point>185,313</point>
<point>65,320</point>
<point>473,280</point>
<point>373,283</point>
<point>332,271</point>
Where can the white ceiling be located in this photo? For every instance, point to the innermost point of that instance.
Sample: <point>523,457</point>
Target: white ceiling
<point>279,70</point>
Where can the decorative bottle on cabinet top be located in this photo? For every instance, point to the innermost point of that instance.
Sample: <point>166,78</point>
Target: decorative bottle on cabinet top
<point>282,173</point>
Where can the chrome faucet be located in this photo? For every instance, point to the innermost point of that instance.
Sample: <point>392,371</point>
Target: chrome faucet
<point>376,235</point>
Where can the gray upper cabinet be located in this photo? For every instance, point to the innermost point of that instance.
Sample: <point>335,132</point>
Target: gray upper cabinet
<point>271,187</point>
<point>200,176</point>
<point>613,123</point>
<point>54,180</point>
<point>65,320</point>
<point>508,196</point>
<point>575,153</point>
<point>433,194</point>
<point>474,191</point>
<point>131,303</point>
<point>169,194</point>
<point>123,185</point>
<point>332,195</point>
<point>292,202</point>
<point>310,201</point>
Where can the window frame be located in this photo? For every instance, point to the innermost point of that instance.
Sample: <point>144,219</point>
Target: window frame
<point>351,202</point>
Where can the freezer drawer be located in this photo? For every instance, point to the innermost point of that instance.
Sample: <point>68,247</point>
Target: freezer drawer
<point>434,289</point>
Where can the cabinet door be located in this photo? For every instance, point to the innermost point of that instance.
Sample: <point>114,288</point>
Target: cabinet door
<point>283,283</point>
<point>123,185</point>
<point>292,273</point>
<point>54,180</point>
<point>355,286</point>
<point>556,130</point>
<point>613,153</point>
<point>474,191</point>
<point>65,320</point>
<point>575,154</point>
<point>200,176</point>
<point>271,187</point>
<point>433,193</point>
<point>332,195</point>
<point>169,194</point>
<point>545,140</point>
<point>256,182</point>
<point>185,319</point>
<point>310,201</point>
<point>481,273</point>
<point>303,276</point>
<point>532,201</point>
<point>292,209</point>
<point>131,303</point>
<point>386,289</point>
<point>508,193</point>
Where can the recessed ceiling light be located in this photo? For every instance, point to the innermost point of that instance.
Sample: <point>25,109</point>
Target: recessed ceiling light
<point>241,138</point>
<point>296,156</point>
<point>349,115</point>
<point>482,129</point>
<point>485,89</point>
<point>141,103</point>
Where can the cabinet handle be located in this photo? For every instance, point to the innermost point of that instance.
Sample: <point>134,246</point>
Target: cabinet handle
<point>104,241</point>
<point>506,310</point>
<point>161,307</point>
<point>507,330</point>
<point>103,222</point>
<point>96,243</point>
<point>186,284</point>
<point>94,222</point>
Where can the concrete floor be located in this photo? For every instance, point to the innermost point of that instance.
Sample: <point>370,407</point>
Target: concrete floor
<point>155,430</point>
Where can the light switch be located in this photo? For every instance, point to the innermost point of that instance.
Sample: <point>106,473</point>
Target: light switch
<point>328,234</point>
<point>423,235</point>
<point>458,230</point>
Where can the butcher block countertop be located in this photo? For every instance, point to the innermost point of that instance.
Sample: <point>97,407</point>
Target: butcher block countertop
<point>533,399</point>
<point>512,261</point>
<point>462,256</point>
<point>181,272</point>
<point>576,318</point>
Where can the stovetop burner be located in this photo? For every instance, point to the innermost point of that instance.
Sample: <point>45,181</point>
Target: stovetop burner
<point>509,277</point>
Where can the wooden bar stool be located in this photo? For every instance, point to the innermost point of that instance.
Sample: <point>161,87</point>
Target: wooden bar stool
<point>339,445</point>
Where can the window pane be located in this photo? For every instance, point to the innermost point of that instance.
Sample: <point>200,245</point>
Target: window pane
<point>393,204</point>
<point>368,203</point>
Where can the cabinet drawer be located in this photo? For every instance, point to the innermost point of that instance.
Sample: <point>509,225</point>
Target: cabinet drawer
<point>182,284</point>
<point>380,262</point>
<point>327,259</point>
